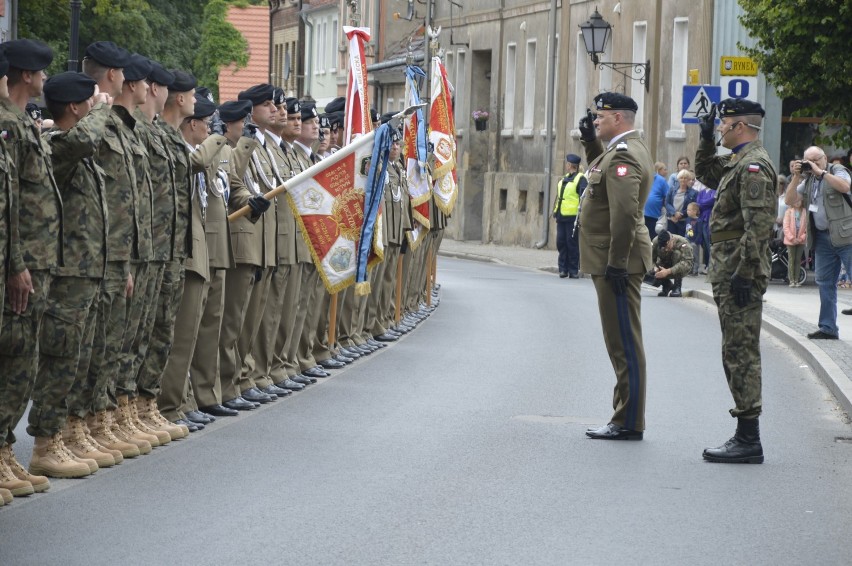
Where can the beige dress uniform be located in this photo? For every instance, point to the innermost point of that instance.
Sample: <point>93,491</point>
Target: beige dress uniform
<point>397,221</point>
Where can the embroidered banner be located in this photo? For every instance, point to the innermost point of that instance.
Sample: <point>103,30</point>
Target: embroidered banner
<point>414,150</point>
<point>442,135</point>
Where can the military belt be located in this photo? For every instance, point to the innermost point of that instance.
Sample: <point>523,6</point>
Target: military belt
<point>725,235</point>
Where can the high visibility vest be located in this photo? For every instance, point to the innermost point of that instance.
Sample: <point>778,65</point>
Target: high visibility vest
<point>567,200</point>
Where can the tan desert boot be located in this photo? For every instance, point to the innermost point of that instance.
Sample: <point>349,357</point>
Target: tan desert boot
<point>100,427</point>
<point>75,440</point>
<point>163,437</point>
<point>117,457</point>
<point>50,459</point>
<point>39,483</point>
<point>124,417</point>
<point>150,414</point>
<point>142,445</point>
<point>91,464</point>
<point>5,496</point>
<point>8,480</point>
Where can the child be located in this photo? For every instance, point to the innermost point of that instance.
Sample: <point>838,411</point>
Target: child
<point>795,226</point>
<point>693,233</point>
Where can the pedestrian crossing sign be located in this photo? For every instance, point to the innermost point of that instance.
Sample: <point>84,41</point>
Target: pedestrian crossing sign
<point>697,100</point>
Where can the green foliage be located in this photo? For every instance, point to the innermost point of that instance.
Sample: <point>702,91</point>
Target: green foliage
<point>221,45</point>
<point>803,49</point>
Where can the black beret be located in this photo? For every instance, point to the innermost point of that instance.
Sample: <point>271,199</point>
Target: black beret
<point>324,122</point>
<point>293,106</point>
<point>258,94</point>
<point>33,110</point>
<point>204,92</point>
<point>27,54</point>
<point>396,135</point>
<point>385,118</point>
<point>336,105</point>
<point>309,112</point>
<point>138,68</point>
<point>203,108</point>
<point>278,97</point>
<point>69,87</point>
<point>234,110</point>
<point>4,65</point>
<point>184,82</point>
<point>335,118</point>
<point>374,116</point>
<point>573,158</point>
<point>160,75</point>
<point>740,107</point>
<point>615,101</point>
<point>663,237</point>
<point>108,54</point>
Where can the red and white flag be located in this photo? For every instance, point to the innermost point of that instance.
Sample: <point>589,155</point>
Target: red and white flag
<point>357,104</point>
<point>442,134</point>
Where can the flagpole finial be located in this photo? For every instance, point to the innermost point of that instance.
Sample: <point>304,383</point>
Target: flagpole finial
<point>433,34</point>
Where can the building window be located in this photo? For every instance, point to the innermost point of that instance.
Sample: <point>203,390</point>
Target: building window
<point>529,87</point>
<point>390,105</point>
<point>401,103</point>
<point>504,193</point>
<point>605,72</point>
<point>334,40</point>
<point>637,90</point>
<point>509,96</point>
<point>581,80</point>
<point>522,200</point>
<point>320,44</point>
<point>680,48</point>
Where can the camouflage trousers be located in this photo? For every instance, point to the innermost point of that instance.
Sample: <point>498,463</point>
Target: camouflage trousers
<point>137,308</point>
<point>63,334</point>
<point>150,374</point>
<point>19,354</point>
<point>741,346</point>
<point>99,355</point>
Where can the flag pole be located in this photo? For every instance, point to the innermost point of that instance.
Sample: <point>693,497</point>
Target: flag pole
<point>398,305</point>
<point>429,277</point>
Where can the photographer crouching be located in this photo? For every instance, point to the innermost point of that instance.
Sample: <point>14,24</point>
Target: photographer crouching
<point>673,258</point>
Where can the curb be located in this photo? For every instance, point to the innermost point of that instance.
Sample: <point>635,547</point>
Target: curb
<point>472,257</point>
<point>821,363</point>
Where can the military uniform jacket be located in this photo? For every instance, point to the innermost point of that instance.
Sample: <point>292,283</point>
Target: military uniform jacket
<point>144,200</point>
<point>265,173</point>
<point>288,167</point>
<point>305,161</point>
<point>5,210</point>
<point>395,205</point>
<point>246,234</point>
<point>81,182</point>
<point>36,204</point>
<point>161,169</point>
<point>612,221</point>
<point>743,217</point>
<point>679,259</point>
<point>176,146</point>
<point>216,227</point>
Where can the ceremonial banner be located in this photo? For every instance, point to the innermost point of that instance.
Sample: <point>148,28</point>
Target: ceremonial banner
<point>357,119</point>
<point>442,134</point>
<point>414,150</point>
<point>335,203</point>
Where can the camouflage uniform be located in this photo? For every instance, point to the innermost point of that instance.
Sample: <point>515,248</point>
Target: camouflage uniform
<point>68,328</point>
<point>5,218</point>
<point>36,245</point>
<point>740,227</point>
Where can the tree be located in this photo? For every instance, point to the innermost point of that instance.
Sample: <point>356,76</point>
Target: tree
<point>221,45</point>
<point>803,50</point>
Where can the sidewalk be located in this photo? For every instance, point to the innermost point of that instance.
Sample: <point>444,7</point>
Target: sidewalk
<point>789,314</point>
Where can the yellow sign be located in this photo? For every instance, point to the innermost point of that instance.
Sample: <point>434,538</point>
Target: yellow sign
<point>738,66</point>
<point>693,77</point>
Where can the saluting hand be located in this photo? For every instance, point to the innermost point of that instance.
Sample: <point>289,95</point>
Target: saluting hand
<point>707,123</point>
<point>587,127</point>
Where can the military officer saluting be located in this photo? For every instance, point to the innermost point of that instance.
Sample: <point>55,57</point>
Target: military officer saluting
<point>740,226</point>
<point>616,251</point>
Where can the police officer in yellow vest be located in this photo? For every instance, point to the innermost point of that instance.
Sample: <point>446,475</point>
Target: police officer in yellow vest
<point>568,193</point>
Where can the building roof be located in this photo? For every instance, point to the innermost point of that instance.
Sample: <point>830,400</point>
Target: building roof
<point>253,23</point>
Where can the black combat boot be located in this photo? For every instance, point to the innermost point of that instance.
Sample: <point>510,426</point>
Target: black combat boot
<point>676,288</point>
<point>743,448</point>
<point>667,287</point>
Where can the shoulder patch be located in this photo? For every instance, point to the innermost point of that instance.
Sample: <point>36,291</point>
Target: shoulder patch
<point>754,190</point>
<point>621,171</point>
<point>753,167</point>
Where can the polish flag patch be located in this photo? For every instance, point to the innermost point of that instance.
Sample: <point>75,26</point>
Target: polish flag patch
<point>621,170</point>
<point>753,168</point>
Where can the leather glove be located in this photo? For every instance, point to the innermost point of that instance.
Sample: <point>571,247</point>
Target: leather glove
<point>249,128</point>
<point>217,126</point>
<point>587,127</point>
<point>258,205</point>
<point>741,288</point>
<point>617,278</point>
<point>707,124</point>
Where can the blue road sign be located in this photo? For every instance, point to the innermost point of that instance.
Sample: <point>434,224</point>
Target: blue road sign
<point>697,100</point>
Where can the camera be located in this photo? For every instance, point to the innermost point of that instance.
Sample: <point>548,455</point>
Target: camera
<point>806,167</point>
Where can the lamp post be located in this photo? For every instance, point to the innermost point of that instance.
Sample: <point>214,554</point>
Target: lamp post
<point>75,34</point>
<point>596,33</point>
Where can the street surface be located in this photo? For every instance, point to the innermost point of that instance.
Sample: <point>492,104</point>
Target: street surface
<point>463,444</point>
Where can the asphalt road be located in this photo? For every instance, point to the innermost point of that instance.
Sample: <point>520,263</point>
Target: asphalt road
<point>463,444</point>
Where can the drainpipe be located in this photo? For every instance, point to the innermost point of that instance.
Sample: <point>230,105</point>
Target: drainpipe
<point>548,123</point>
<point>309,72</point>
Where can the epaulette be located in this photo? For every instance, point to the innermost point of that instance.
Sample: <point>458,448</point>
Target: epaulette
<point>621,146</point>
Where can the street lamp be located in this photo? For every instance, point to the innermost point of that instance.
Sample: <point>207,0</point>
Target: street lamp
<point>596,34</point>
<point>75,34</point>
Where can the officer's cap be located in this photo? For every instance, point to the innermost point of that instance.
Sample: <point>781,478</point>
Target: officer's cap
<point>663,237</point>
<point>27,54</point>
<point>258,94</point>
<point>573,158</point>
<point>324,122</point>
<point>108,54</point>
<point>204,92</point>
<point>278,97</point>
<point>160,75</point>
<point>234,110</point>
<point>336,105</point>
<point>740,107</point>
<point>203,108</point>
<point>184,82</point>
<point>69,87</point>
<point>615,101</point>
<point>138,68</point>
<point>309,111</point>
<point>385,118</point>
<point>33,110</point>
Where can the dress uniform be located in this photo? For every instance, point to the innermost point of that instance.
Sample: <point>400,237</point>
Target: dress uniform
<point>741,225</point>
<point>35,250</point>
<point>616,250</point>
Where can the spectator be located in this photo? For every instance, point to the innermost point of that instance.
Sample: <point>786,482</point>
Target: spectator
<point>706,199</point>
<point>795,238</point>
<point>677,200</point>
<point>654,204</point>
<point>682,163</point>
<point>782,206</point>
<point>693,233</point>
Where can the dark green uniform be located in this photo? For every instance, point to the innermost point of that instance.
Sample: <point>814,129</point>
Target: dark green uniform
<point>740,226</point>
<point>613,232</point>
<point>679,258</point>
